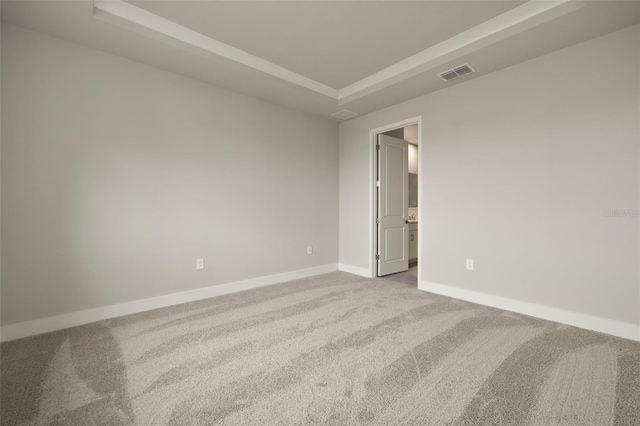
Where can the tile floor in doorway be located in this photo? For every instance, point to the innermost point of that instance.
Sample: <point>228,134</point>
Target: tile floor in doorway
<point>408,277</point>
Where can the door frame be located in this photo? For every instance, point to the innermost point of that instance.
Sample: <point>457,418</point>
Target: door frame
<point>373,194</point>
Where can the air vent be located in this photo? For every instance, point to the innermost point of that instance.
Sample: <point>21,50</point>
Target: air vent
<point>449,75</point>
<point>456,72</point>
<point>345,114</point>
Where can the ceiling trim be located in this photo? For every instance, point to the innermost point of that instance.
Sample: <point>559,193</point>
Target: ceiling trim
<point>514,21</point>
<point>117,11</point>
<point>505,25</point>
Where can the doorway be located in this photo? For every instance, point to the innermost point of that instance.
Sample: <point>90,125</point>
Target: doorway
<point>395,208</point>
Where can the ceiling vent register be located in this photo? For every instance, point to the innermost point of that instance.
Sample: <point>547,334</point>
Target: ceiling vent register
<point>456,72</point>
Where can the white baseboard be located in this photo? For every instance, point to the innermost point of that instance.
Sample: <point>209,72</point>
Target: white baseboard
<point>59,322</point>
<point>603,325</point>
<point>356,270</point>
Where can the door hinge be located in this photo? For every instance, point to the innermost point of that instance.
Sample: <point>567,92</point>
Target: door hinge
<point>377,257</point>
<point>378,184</point>
<point>378,147</point>
<point>377,220</point>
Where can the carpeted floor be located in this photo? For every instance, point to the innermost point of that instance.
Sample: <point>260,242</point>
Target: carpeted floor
<point>332,349</point>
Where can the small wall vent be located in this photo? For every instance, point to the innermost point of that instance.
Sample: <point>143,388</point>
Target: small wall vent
<point>345,114</point>
<point>456,72</point>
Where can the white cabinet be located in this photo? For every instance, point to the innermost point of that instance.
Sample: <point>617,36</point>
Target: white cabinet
<point>413,242</point>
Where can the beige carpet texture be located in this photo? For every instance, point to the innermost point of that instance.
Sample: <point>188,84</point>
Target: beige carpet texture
<point>335,349</point>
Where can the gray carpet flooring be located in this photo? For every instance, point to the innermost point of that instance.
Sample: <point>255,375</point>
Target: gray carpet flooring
<point>335,349</point>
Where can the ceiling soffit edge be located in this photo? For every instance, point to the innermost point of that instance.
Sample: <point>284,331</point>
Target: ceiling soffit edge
<point>510,23</point>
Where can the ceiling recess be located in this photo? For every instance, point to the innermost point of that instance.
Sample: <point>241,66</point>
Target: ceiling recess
<point>345,114</point>
<point>456,72</point>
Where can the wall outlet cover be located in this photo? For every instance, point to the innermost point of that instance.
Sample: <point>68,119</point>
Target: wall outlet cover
<point>199,263</point>
<point>470,264</point>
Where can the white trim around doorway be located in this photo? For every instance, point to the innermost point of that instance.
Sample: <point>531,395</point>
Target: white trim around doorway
<point>373,133</point>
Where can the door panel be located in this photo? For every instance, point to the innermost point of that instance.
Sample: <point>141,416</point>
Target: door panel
<point>394,238</point>
<point>393,201</point>
<point>394,181</point>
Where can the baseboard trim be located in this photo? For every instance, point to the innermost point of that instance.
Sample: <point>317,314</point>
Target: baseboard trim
<point>356,270</point>
<point>59,322</point>
<point>589,322</point>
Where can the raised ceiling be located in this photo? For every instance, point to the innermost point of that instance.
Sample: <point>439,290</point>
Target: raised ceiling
<point>335,43</point>
<point>322,57</point>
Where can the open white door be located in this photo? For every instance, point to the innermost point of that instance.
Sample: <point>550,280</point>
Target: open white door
<point>393,202</point>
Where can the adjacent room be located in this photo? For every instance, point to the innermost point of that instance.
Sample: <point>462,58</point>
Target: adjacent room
<point>314,213</point>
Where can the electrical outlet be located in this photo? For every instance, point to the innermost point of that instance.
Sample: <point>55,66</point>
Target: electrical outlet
<point>470,264</point>
<point>309,249</point>
<point>199,263</point>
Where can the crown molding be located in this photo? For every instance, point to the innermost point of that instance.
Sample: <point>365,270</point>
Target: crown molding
<point>141,21</point>
<point>501,27</point>
<point>508,24</point>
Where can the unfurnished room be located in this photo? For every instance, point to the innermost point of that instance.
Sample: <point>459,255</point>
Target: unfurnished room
<point>320,212</point>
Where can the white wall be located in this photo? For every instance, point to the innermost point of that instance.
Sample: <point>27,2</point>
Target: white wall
<point>116,176</point>
<point>413,159</point>
<point>518,168</point>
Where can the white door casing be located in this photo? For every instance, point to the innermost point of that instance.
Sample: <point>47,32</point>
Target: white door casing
<point>393,201</point>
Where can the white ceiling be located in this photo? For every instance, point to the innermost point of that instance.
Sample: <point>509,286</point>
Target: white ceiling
<point>335,43</point>
<point>322,57</point>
